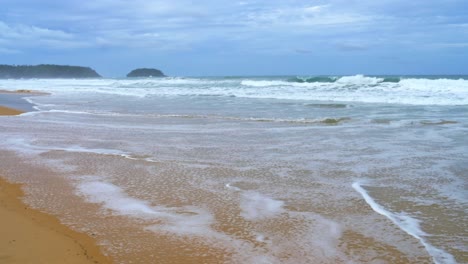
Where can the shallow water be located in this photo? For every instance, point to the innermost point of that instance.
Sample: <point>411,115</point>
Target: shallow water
<point>250,170</point>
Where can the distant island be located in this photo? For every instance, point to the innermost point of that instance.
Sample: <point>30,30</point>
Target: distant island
<point>46,71</point>
<point>145,72</point>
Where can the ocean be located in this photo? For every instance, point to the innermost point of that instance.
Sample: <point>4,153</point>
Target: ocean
<point>286,169</point>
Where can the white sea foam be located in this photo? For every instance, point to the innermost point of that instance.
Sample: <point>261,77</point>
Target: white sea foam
<point>361,88</point>
<point>408,224</point>
<point>181,221</point>
<point>21,145</point>
<point>261,83</point>
<point>229,186</point>
<point>256,206</point>
<point>329,233</point>
<point>359,80</point>
<point>187,220</point>
<point>35,105</point>
<point>26,146</point>
<point>305,121</point>
<point>358,88</point>
<point>62,111</point>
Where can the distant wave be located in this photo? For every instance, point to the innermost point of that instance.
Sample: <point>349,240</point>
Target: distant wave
<point>392,79</point>
<point>327,105</point>
<point>318,79</point>
<point>322,80</point>
<point>328,79</point>
<point>366,89</point>
<point>445,90</point>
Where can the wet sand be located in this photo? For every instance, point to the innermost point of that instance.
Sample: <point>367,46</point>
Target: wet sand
<point>11,102</point>
<point>188,202</point>
<point>30,236</point>
<point>15,100</point>
<point>9,111</point>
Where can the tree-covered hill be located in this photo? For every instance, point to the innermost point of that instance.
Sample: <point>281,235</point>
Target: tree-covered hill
<point>145,72</point>
<point>46,71</point>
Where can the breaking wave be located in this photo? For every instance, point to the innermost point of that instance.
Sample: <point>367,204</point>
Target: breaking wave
<point>318,79</point>
<point>328,79</point>
<point>360,88</point>
<point>357,88</point>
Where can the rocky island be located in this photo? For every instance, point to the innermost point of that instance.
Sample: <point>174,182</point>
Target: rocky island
<point>146,72</point>
<point>46,71</point>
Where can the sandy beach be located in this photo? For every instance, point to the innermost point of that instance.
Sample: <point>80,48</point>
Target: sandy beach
<point>193,171</point>
<point>13,102</point>
<point>30,236</point>
<point>9,111</point>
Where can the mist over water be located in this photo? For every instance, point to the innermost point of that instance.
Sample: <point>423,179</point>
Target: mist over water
<point>334,169</point>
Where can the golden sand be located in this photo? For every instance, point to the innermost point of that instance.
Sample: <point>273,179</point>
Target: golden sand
<point>9,111</point>
<point>30,236</point>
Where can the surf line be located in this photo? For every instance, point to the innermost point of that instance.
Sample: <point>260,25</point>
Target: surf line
<point>409,225</point>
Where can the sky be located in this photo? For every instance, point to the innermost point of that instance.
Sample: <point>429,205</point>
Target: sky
<point>229,37</point>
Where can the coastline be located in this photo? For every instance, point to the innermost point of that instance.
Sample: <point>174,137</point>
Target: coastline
<point>14,102</point>
<point>31,236</point>
<point>178,179</point>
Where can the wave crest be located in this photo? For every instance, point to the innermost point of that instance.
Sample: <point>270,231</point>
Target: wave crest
<point>357,88</point>
<point>318,79</point>
<point>351,79</point>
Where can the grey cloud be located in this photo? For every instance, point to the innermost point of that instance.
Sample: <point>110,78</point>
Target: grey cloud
<point>32,36</point>
<point>249,25</point>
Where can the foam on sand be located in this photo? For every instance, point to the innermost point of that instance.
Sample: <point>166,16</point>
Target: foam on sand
<point>187,220</point>
<point>197,222</point>
<point>256,206</point>
<point>408,224</point>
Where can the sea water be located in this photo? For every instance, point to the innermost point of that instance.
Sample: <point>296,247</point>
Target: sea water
<point>329,169</point>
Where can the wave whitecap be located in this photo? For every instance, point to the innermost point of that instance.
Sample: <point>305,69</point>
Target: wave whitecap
<point>328,79</point>
<point>357,88</point>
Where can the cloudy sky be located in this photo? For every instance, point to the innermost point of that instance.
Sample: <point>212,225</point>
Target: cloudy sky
<point>229,37</point>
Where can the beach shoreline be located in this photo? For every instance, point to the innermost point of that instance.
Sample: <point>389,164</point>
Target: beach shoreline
<point>192,178</point>
<point>6,111</point>
<point>15,102</point>
<point>31,236</point>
